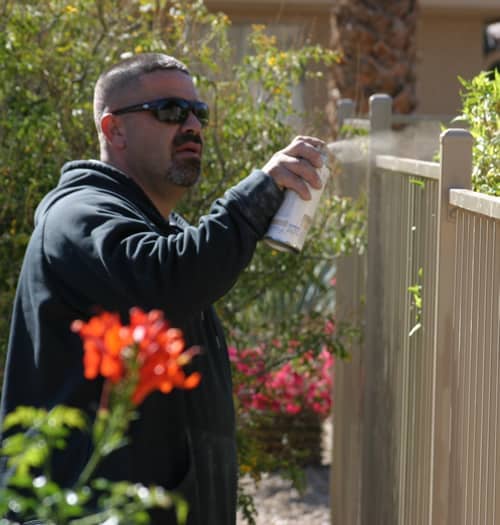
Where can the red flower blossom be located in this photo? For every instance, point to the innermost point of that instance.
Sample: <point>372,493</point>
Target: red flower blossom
<point>148,344</point>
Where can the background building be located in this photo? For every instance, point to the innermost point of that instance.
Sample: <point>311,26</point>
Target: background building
<point>452,41</point>
<point>453,38</point>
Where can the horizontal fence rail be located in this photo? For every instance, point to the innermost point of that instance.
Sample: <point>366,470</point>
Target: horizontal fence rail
<point>363,123</point>
<point>417,408</point>
<point>411,167</point>
<point>476,202</point>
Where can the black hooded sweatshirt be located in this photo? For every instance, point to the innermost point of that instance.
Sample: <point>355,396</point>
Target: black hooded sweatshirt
<point>99,243</point>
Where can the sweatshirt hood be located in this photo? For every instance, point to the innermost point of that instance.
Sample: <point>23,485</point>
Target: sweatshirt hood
<point>82,174</point>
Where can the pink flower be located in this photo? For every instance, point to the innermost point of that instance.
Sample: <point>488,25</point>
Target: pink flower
<point>303,383</point>
<point>233,353</point>
<point>293,409</point>
<point>329,327</point>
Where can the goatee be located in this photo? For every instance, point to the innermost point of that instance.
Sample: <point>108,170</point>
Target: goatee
<point>184,173</point>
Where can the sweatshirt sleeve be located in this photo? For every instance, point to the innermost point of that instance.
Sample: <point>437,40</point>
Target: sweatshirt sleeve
<point>105,253</point>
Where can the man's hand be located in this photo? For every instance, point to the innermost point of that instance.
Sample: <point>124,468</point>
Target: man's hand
<point>295,166</point>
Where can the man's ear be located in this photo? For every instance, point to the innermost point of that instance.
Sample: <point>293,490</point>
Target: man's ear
<point>113,130</point>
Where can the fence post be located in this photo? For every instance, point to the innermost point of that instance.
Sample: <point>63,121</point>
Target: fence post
<point>380,113</point>
<point>377,501</point>
<point>345,484</point>
<point>456,170</point>
<point>345,109</point>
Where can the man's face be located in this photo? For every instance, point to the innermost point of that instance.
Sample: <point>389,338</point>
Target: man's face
<point>160,154</point>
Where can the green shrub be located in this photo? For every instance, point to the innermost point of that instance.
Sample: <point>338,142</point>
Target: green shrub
<point>481,110</point>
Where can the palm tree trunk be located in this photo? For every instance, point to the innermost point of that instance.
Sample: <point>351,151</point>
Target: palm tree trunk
<point>377,39</point>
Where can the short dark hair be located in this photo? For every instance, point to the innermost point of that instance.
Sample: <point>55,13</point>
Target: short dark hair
<point>124,74</point>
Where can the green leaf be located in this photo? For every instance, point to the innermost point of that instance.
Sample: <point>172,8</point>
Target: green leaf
<point>24,416</point>
<point>14,445</point>
<point>418,182</point>
<point>66,416</point>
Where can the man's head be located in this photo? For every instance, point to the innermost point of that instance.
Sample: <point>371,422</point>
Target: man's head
<point>149,120</point>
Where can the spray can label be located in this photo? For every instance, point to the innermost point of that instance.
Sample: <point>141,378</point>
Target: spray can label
<point>289,227</point>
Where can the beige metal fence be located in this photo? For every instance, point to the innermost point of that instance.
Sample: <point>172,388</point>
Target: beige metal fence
<point>474,491</point>
<point>416,408</point>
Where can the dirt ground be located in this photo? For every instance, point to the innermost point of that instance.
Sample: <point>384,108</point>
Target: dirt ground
<point>278,503</point>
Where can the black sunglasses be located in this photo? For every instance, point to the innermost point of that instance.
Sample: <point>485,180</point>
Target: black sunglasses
<point>173,110</point>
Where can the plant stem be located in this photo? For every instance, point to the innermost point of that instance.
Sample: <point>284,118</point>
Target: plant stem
<point>92,462</point>
<point>116,422</point>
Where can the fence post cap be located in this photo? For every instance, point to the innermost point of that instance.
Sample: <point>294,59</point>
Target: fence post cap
<point>380,96</point>
<point>455,133</point>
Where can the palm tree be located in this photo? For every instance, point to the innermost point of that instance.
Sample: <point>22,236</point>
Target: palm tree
<point>378,41</point>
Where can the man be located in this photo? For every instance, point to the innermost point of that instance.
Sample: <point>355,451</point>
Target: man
<point>107,237</point>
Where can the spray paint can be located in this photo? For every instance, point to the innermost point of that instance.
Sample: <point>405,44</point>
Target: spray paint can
<point>289,227</point>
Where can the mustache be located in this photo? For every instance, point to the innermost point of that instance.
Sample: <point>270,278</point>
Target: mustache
<point>182,138</point>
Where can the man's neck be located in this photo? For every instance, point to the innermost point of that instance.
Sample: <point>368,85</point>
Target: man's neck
<point>165,201</point>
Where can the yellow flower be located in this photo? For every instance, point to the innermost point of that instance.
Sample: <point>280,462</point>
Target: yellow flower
<point>271,61</point>
<point>138,49</point>
<point>71,9</point>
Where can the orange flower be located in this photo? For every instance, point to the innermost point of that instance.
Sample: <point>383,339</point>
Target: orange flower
<point>158,349</point>
<point>103,341</point>
<point>161,355</point>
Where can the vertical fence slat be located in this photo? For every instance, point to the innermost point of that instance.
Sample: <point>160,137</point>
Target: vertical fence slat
<point>399,299</point>
<point>408,357</point>
<point>476,351</point>
<point>489,251</point>
<point>481,450</point>
<point>471,357</point>
<point>430,312</point>
<point>459,394</point>
<point>495,341</point>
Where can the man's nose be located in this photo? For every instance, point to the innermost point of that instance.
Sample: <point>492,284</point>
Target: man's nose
<point>191,124</point>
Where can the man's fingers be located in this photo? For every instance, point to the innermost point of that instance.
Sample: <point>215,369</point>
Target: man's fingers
<point>313,141</point>
<point>303,168</point>
<point>295,167</point>
<point>307,148</point>
<point>287,179</point>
